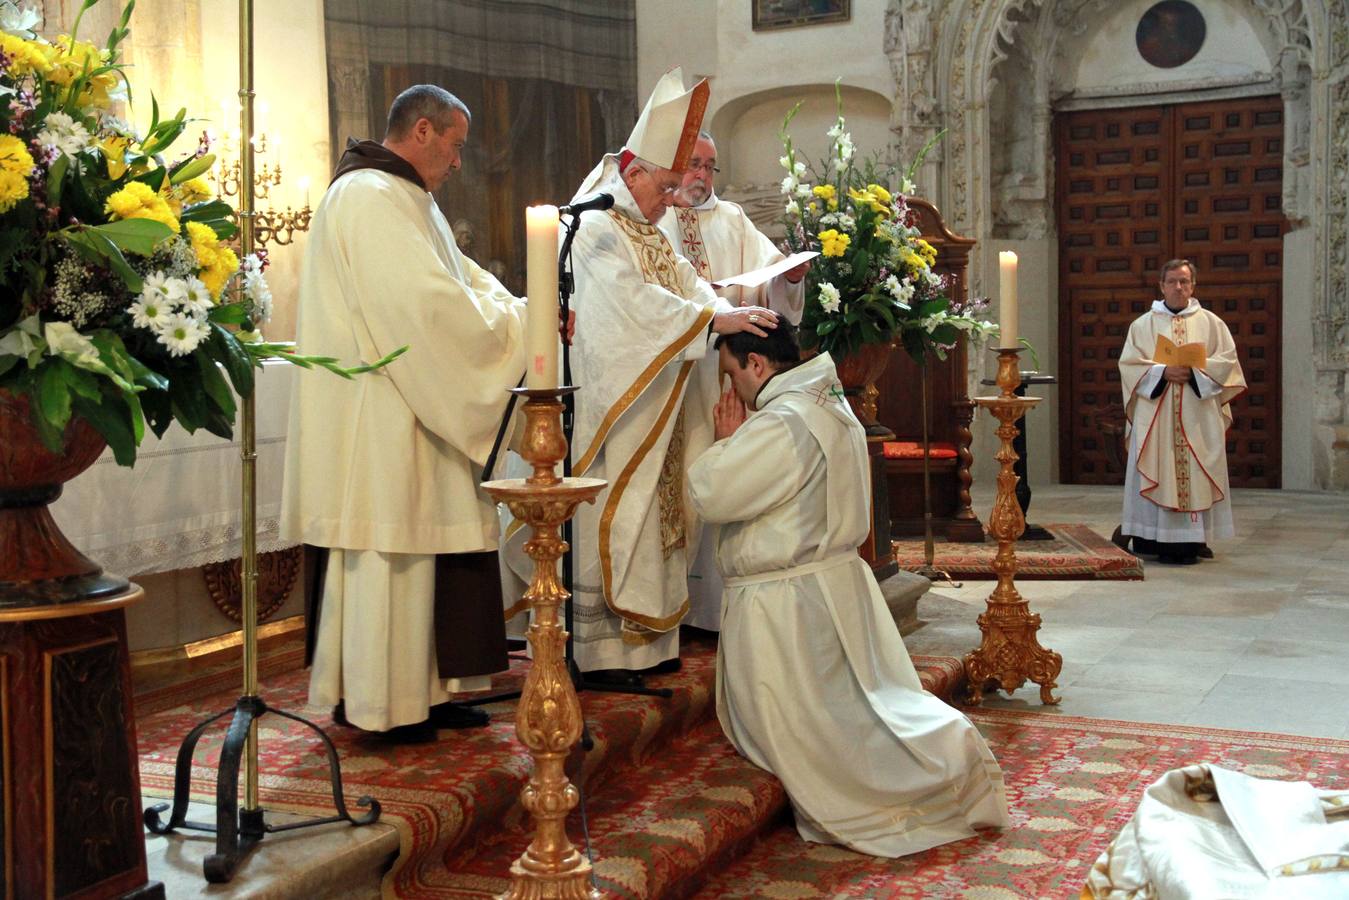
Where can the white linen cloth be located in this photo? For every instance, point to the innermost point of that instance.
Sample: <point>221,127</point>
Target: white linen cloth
<point>1208,833</point>
<point>813,680</point>
<point>181,506</point>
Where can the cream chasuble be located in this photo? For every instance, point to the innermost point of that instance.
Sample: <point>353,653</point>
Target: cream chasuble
<point>719,240</point>
<point>813,681</point>
<point>1176,487</point>
<point>643,412</point>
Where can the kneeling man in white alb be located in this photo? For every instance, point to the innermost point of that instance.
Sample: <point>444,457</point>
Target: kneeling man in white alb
<point>813,681</point>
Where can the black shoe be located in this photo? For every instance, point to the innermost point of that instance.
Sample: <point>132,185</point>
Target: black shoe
<point>456,715</point>
<point>664,668</point>
<point>1145,546</point>
<point>1204,552</point>
<point>340,714</point>
<point>416,733</point>
<point>1176,559</point>
<point>614,678</point>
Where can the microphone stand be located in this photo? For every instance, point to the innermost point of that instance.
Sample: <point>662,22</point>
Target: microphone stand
<point>566,285</point>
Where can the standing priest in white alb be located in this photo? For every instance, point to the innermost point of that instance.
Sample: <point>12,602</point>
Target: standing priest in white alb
<point>647,321</point>
<point>383,471</point>
<point>719,241</point>
<point>1176,494</point>
<point>813,681</point>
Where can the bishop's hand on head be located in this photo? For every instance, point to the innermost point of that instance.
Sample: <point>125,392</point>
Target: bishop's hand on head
<point>753,319</point>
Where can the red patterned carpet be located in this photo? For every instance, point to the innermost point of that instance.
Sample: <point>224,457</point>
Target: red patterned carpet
<point>1076,552</point>
<point>674,812</point>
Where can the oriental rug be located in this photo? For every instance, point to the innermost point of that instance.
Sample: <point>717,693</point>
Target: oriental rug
<point>1076,552</point>
<point>456,802</point>
<point>1072,785</point>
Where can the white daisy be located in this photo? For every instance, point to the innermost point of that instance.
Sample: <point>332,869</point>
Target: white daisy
<point>182,333</point>
<point>196,298</point>
<point>149,313</point>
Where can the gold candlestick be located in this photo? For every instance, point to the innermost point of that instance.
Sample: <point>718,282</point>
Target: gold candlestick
<point>548,719</point>
<point>1010,652</point>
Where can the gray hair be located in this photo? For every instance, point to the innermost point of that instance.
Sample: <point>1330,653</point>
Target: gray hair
<point>705,136</point>
<point>424,101</point>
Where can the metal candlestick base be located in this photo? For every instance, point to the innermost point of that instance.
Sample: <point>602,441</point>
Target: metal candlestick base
<point>548,718</point>
<point>1010,652</point>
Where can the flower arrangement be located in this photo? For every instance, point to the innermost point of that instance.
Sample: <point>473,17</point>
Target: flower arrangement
<point>120,299</point>
<point>873,282</point>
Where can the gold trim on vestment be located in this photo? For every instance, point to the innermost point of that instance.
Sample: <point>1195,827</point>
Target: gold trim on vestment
<point>670,492</point>
<point>655,257</point>
<point>1180,449</point>
<point>611,510</point>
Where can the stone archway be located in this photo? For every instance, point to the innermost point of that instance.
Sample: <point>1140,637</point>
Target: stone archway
<point>959,53</point>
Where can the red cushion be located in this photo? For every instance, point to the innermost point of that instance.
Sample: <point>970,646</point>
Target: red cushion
<point>914,450</point>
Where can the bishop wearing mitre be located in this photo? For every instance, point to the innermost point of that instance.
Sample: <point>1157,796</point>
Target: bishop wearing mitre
<point>642,415</point>
<point>1176,493</point>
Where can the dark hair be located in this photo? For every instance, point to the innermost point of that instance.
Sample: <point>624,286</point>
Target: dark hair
<point>424,101</point>
<point>779,348</point>
<point>1173,264</point>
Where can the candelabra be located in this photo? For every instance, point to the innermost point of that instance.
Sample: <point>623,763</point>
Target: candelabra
<point>270,226</point>
<point>548,719</point>
<point>1010,652</point>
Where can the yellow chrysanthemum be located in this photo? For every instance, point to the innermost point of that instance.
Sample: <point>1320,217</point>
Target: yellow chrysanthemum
<point>217,261</point>
<point>824,191</point>
<point>194,190</point>
<point>24,57</point>
<point>927,251</point>
<point>16,163</point>
<point>833,242</point>
<point>139,201</point>
<point>911,261</point>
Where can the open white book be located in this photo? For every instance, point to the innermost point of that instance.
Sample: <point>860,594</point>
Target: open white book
<point>767,273</point>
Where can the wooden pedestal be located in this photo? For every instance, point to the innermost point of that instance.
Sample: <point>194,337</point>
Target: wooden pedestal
<point>69,769</point>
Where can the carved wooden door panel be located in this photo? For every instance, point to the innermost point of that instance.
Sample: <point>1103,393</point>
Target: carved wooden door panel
<point>1137,187</point>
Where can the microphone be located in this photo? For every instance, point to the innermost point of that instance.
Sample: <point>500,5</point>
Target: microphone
<point>594,201</point>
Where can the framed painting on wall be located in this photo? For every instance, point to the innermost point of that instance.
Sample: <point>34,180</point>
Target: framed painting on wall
<point>769,14</point>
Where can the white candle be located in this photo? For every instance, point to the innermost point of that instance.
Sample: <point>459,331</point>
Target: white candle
<point>541,337</point>
<point>1007,323</point>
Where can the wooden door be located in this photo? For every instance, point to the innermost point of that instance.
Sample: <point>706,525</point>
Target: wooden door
<point>1136,187</point>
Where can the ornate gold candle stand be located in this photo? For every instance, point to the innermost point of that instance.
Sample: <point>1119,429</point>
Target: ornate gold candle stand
<point>1010,652</point>
<point>548,719</point>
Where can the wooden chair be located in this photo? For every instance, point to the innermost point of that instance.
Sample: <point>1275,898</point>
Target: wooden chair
<point>949,406</point>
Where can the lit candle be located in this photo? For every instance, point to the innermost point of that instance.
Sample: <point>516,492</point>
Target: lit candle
<point>1007,323</point>
<point>541,337</point>
<point>304,189</point>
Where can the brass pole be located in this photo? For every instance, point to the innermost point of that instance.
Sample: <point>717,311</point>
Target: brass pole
<point>929,552</point>
<point>248,450</point>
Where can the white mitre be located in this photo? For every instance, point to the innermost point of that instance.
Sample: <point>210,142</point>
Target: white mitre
<point>665,132</point>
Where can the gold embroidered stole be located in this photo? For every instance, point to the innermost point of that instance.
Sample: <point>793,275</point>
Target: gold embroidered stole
<point>656,258</point>
<point>1180,450</point>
